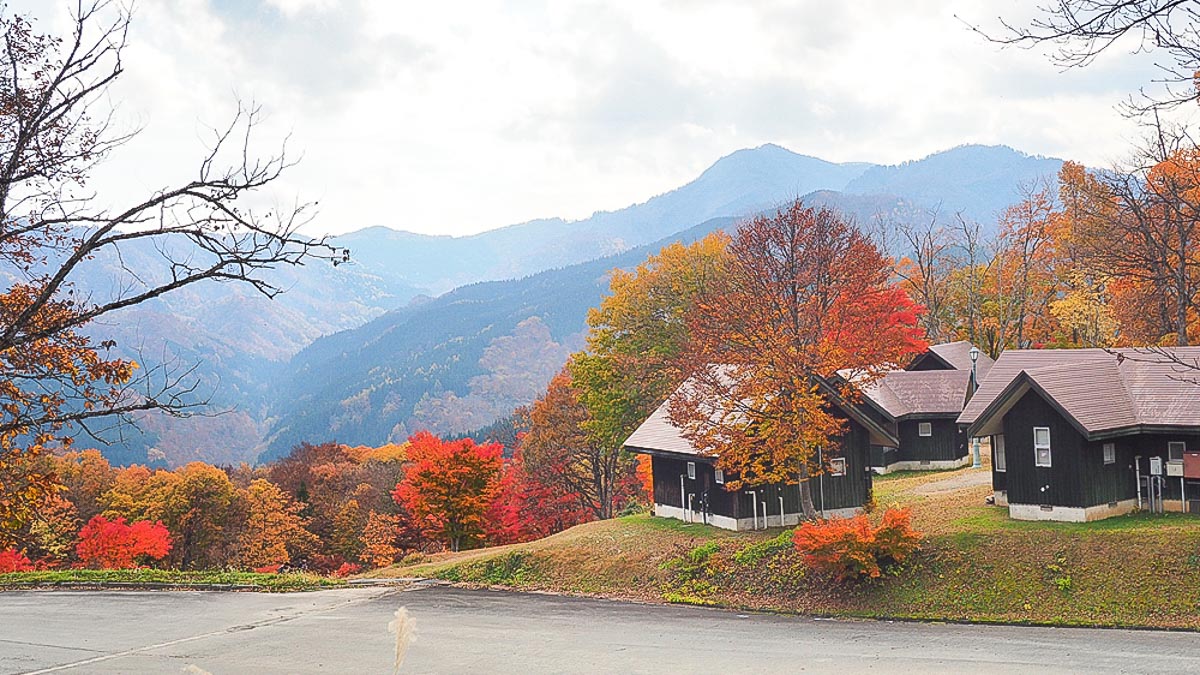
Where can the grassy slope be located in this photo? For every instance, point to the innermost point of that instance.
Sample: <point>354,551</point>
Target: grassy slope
<point>976,565</point>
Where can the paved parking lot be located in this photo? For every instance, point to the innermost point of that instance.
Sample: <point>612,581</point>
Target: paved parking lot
<point>461,631</point>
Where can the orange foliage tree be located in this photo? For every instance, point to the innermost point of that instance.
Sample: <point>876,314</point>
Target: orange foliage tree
<point>806,296</point>
<point>449,486</point>
<point>115,544</point>
<point>274,531</point>
<point>558,451</point>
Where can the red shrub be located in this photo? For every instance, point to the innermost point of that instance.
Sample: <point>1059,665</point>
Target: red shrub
<point>267,569</point>
<point>850,548</point>
<point>12,560</point>
<point>346,570</point>
<point>114,544</point>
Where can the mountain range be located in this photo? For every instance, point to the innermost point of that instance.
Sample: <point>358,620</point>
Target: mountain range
<point>450,333</point>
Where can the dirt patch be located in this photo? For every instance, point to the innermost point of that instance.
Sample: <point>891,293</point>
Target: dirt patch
<point>959,481</point>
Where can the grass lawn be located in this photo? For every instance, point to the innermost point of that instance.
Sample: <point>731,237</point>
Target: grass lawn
<point>169,578</point>
<point>975,565</point>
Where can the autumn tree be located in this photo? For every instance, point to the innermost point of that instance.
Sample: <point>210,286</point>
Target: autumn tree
<point>532,503</point>
<point>338,487</point>
<point>559,451</point>
<point>806,296</point>
<point>1016,292</point>
<point>1140,222</point>
<point>55,128</point>
<point>85,476</point>
<point>382,539</point>
<point>273,532</point>
<point>636,335</point>
<point>116,544</point>
<point>449,486</point>
<point>197,503</point>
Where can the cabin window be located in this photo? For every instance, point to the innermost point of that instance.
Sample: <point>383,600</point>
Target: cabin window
<point>925,429</point>
<point>719,476</point>
<point>1175,451</point>
<point>837,467</point>
<point>691,471</point>
<point>998,457</point>
<point>1041,446</point>
<point>1110,453</point>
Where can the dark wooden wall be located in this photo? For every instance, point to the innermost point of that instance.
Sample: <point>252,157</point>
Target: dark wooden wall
<point>848,491</point>
<point>947,442</point>
<point>999,478</point>
<point>1063,478</point>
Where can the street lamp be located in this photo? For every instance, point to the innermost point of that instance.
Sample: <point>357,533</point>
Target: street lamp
<point>977,463</point>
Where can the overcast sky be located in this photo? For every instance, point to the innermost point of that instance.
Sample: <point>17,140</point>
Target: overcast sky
<point>456,117</point>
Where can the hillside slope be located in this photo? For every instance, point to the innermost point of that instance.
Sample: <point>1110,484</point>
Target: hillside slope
<point>976,564</point>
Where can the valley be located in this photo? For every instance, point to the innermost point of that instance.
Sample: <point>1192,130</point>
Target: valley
<point>397,340</point>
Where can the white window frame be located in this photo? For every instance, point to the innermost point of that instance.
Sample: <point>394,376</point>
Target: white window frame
<point>1171,445</point>
<point>999,456</point>
<point>837,466</point>
<point>719,476</point>
<point>691,471</point>
<point>1037,448</point>
<point>925,429</point>
<point>1110,453</point>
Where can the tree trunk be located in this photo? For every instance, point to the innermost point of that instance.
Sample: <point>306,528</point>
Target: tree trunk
<point>1181,308</point>
<point>807,507</point>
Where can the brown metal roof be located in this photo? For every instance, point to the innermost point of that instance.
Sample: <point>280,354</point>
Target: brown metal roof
<point>658,434</point>
<point>1100,390</point>
<point>958,355</point>
<point>920,392</point>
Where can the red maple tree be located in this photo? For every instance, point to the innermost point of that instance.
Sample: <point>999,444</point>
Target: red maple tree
<point>449,487</point>
<point>115,544</point>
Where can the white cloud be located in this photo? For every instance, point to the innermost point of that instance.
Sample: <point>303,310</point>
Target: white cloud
<point>459,117</point>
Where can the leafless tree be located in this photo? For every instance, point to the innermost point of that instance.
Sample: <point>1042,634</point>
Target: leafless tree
<point>55,128</point>
<point>1081,30</point>
<point>931,252</point>
<point>970,240</point>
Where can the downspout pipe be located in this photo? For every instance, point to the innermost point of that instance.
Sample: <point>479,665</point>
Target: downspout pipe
<point>1137,472</point>
<point>754,508</point>
<point>682,498</point>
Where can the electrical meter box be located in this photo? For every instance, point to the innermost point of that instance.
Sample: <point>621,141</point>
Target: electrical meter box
<point>1175,469</point>
<point>1156,466</point>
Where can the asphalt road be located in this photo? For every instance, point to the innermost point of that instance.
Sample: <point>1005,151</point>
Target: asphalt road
<point>459,631</point>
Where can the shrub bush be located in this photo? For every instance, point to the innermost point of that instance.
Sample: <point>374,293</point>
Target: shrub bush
<point>12,560</point>
<point>851,548</point>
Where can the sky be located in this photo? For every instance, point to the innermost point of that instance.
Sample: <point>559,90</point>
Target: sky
<point>454,118</point>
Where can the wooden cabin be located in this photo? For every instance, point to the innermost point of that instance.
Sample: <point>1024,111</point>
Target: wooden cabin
<point>922,408</point>
<point>1084,434</point>
<point>921,404</point>
<point>689,486</point>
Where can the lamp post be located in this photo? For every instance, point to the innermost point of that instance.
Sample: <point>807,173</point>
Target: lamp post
<point>978,462</point>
